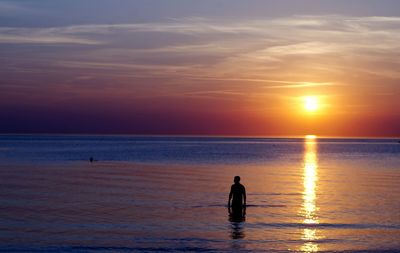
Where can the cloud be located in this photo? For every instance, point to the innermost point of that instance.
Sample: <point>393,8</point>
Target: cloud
<point>11,35</point>
<point>296,29</point>
<point>293,52</point>
<point>7,7</point>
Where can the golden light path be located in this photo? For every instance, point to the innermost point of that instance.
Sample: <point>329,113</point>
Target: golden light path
<point>309,207</point>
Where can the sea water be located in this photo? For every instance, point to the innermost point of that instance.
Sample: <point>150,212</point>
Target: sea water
<point>169,194</point>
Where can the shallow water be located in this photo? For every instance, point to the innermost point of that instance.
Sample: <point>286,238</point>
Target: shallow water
<point>170,194</point>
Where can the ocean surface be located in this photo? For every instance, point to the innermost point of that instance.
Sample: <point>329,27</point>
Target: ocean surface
<point>169,194</point>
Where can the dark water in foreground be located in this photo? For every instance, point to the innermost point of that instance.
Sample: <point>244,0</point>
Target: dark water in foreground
<point>169,194</point>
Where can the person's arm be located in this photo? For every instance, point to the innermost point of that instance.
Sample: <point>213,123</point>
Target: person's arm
<point>230,197</point>
<point>244,196</point>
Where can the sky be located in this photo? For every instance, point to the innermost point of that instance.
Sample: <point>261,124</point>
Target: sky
<point>189,67</point>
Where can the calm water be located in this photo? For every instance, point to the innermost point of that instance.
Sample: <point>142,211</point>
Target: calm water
<point>169,194</point>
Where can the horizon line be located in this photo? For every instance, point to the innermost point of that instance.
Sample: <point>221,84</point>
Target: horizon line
<point>212,135</point>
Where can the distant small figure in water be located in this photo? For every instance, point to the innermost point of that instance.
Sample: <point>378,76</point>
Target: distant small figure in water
<point>91,159</point>
<point>237,207</point>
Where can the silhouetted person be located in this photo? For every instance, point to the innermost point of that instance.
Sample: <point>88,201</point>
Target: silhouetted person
<point>237,195</point>
<point>91,159</point>
<point>237,208</point>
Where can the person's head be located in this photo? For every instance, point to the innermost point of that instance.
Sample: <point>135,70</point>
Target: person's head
<point>236,179</point>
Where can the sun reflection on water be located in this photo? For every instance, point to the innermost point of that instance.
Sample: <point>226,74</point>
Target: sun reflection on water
<point>309,207</point>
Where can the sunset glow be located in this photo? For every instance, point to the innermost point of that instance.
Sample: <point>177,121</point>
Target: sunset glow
<point>269,68</point>
<point>311,103</point>
<point>200,125</point>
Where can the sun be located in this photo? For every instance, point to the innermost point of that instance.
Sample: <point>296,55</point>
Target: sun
<point>311,103</point>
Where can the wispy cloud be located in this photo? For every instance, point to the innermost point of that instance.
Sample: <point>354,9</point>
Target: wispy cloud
<point>274,53</point>
<point>301,27</point>
<point>40,36</point>
<point>6,7</point>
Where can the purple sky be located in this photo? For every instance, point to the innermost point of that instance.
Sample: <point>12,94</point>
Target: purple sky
<point>200,67</point>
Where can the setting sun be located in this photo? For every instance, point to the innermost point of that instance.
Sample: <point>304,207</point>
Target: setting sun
<point>311,103</point>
